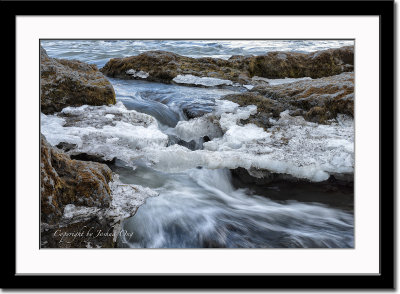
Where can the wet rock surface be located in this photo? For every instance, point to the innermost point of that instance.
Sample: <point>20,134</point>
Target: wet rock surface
<point>337,191</point>
<point>71,83</point>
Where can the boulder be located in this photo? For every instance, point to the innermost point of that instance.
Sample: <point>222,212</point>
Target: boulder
<point>266,108</point>
<point>71,83</point>
<point>163,66</point>
<point>65,181</point>
<point>296,65</point>
<point>317,100</point>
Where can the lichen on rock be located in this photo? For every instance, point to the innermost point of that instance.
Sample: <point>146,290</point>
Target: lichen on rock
<point>71,83</point>
<point>164,67</point>
<point>82,197</point>
<point>65,181</point>
<point>317,100</point>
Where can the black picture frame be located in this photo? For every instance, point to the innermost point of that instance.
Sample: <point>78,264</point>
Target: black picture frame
<point>385,280</point>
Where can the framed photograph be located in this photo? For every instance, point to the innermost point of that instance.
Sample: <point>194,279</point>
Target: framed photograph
<point>225,148</point>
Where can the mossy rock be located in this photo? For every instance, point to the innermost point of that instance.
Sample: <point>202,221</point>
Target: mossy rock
<point>71,83</point>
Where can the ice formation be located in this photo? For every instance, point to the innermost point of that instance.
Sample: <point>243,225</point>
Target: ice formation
<point>291,146</point>
<point>126,199</point>
<point>137,74</point>
<point>274,82</point>
<point>107,131</point>
<point>202,81</point>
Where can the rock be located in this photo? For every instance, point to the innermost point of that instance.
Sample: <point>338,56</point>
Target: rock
<point>163,66</point>
<point>91,233</point>
<point>65,181</point>
<point>266,108</point>
<point>318,100</point>
<point>71,83</point>
<point>82,203</point>
<point>331,95</point>
<point>337,191</point>
<point>296,65</point>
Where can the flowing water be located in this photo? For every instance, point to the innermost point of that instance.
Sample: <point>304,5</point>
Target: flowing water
<point>201,207</point>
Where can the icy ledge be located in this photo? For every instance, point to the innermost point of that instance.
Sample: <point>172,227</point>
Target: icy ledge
<point>106,131</point>
<point>291,146</point>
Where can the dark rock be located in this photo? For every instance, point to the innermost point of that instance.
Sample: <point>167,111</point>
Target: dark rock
<point>91,157</point>
<point>337,191</point>
<point>71,83</point>
<point>66,146</point>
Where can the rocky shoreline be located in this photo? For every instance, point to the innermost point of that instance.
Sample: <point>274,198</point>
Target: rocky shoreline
<point>80,193</point>
<point>82,202</point>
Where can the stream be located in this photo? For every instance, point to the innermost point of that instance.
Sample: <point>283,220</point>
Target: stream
<point>201,207</point>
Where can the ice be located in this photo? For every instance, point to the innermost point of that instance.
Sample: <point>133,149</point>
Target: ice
<point>94,132</point>
<point>197,128</point>
<point>137,74</point>
<point>291,146</point>
<point>126,199</point>
<point>203,81</point>
<point>274,82</point>
<point>248,87</point>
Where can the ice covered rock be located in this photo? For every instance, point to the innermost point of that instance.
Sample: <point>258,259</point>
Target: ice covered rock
<point>105,131</point>
<point>82,201</point>
<point>71,83</point>
<point>317,100</point>
<point>292,146</point>
<point>66,181</point>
